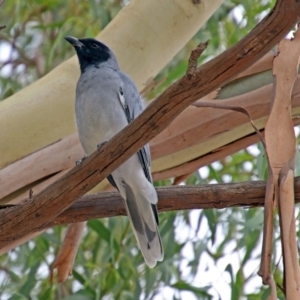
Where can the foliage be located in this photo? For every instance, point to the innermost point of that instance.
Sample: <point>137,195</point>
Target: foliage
<point>209,254</point>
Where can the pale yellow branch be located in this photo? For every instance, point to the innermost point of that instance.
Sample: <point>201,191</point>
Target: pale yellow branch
<point>145,36</point>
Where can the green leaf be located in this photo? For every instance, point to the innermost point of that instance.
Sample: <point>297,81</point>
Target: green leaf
<point>183,286</point>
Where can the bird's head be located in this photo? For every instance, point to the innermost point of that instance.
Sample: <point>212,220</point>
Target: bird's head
<point>92,53</point>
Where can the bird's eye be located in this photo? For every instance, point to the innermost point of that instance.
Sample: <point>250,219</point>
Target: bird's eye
<point>94,45</point>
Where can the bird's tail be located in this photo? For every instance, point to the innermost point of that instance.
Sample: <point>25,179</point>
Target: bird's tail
<point>142,217</point>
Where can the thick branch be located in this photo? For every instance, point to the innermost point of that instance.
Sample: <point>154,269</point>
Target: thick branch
<point>109,204</point>
<point>34,214</point>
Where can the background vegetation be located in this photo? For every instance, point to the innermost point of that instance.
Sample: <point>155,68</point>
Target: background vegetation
<point>209,254</point>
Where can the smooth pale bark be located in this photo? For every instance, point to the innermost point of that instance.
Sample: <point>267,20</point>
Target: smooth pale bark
<point>207,129</point>
<point>145,36</point>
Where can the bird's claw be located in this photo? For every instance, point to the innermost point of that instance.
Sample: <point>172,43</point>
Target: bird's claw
<point>99,146</point>
<point>79,161</point>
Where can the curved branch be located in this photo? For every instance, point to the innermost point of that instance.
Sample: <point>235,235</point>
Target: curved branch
<point>36,213</point>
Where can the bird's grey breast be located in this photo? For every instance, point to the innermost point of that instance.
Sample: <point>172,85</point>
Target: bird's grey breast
<point>99,113</point>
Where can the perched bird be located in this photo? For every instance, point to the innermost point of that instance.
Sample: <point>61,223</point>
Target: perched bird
<point>106,101</point>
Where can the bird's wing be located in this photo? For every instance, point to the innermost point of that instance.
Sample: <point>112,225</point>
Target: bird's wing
<point>133,106</point>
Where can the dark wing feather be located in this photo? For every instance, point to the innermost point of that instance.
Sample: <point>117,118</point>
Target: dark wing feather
<point>111,181</point>
<point>133,107</point>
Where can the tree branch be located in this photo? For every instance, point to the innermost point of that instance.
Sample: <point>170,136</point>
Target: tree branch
<point>204,196</point>
<point>35,214</point>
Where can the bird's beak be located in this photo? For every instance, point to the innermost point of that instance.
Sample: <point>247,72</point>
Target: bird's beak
<point>73,41</point>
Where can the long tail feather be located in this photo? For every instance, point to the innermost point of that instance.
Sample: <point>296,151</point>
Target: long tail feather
<point>143,221</point>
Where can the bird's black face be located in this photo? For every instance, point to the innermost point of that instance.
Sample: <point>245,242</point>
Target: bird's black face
<point>90,52</point>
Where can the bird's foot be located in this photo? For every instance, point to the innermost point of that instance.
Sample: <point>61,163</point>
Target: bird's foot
<point>79,161</point>
<point>99,146</point>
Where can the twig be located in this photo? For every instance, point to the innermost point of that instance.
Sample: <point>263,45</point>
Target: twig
<point>193,60</point>
<point>234,108</point>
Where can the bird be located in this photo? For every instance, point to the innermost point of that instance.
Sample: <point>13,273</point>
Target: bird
<point>107,100</point>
